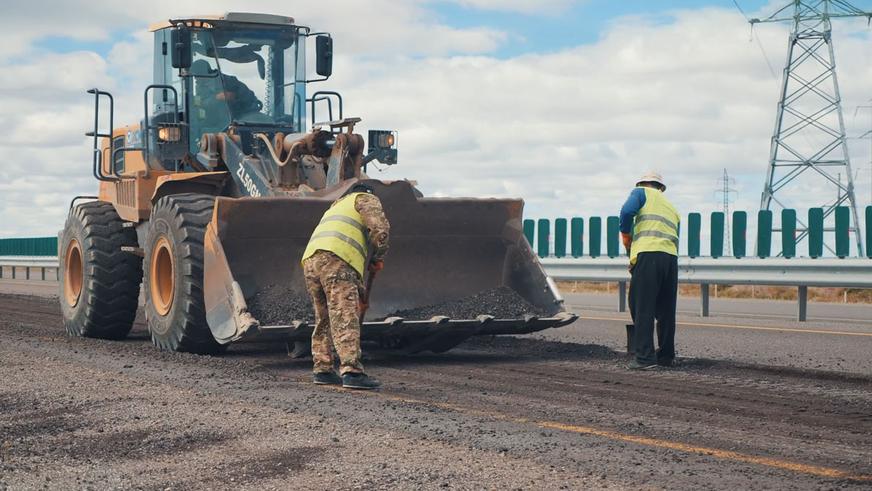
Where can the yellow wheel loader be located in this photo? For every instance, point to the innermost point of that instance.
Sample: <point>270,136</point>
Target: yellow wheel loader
<point>209,201</point>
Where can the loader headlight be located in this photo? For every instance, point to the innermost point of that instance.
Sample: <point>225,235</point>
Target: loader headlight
<point>382,139</point>
<point>382,146</point>
<point>169,133</point>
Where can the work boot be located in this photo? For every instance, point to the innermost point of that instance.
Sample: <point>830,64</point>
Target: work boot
<point>299,349</point>
<point>360,381</point>
<point>326,378</point>
<point>635,365</point>
<point>668,362</point>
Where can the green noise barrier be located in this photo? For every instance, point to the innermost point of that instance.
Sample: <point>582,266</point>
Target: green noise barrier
<point>694,228</point>
<point>32,246</point>
<point>764,233</point>
<point>595,232</point>
<point>560,237</point>
<point>788,233</point>
<point>529,230</point>
<point>816,232</point>
<point>740,227</point>
<point>613,236</point>
<point>869,232</point>
<point>717,237</point>
<point>843,223</point>
<point>544,236</point>
<point>577,231</point>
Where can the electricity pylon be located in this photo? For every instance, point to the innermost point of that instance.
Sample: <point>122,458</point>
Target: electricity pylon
<point>728,193</point>
<point>808,145</point>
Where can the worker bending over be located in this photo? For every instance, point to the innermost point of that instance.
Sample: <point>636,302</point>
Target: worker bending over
<point>333,265</point>
<point>649,230</point>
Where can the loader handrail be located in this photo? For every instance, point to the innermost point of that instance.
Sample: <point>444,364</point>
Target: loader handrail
<point>326,97</point>
<point>98,153</point>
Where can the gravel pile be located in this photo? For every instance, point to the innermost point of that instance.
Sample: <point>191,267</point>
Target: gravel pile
<point>501,302</point>
<point>279,305</point>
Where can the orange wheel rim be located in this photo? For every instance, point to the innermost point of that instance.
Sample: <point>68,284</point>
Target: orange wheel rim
<point>162,283</point>
<point>73,273</point>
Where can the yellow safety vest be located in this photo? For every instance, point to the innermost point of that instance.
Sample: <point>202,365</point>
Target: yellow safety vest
<point>342,232</point>
<point>656,226</point>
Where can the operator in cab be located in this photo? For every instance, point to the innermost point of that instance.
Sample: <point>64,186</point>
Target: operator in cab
<point>215,92</point>
<point>334,264</point>
<point>649,230</point>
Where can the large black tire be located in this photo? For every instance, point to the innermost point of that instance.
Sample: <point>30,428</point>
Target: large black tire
<point>99,287</point>
<point>173,267</point>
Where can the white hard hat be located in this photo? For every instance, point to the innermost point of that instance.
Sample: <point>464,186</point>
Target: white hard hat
<point>652,176</point>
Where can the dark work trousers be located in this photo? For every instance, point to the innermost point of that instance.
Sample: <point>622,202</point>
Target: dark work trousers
<point>653,295</point>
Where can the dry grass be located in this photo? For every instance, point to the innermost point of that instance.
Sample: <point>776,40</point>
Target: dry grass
<point>836,295</point>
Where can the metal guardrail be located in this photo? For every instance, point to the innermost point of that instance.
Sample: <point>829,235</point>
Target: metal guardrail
<point>9,265</point>
<point>801,273</point>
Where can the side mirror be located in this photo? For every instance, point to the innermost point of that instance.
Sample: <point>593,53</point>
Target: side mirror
<point>180,42</point>
<point>324,56</point>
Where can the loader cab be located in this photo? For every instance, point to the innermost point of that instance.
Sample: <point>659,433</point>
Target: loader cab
<point>241,69</point>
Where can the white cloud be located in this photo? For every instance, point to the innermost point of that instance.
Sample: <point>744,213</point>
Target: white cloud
<point>569,131</point>
<point>539,7</point>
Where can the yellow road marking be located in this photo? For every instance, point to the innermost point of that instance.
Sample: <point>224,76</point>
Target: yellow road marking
<point>752,328</point>
<point>814,470</point>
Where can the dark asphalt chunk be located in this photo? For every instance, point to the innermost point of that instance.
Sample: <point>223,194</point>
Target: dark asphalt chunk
<point>279,305</point>
<point>501,302</point>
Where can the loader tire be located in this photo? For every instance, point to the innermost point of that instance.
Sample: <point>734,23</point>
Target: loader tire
<point>99,287</point>
<point>173,282</point>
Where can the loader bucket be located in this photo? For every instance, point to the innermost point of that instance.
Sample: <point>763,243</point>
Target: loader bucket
<point>445,254</point>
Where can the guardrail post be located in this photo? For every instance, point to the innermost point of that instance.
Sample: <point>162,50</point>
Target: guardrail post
<point>717,237</point>
<point>577,231</point>
<point>843,222</point>
<point>43,273</point>
<point>788,233</point>
<point>58,274</point>
<point>815,232</point>
<point>529,230</point>
<point>612,233</point>
<point>764,233</point>
<point>560,237</point>
<point>595,231</point>
<point>622,296</point>
<point>544,234</point>
<point>802,296</point>
<point>13,272</point>
<point>694,227</point>
<point>27,273</point>
<point>704,297</point>
<point>1,272</point>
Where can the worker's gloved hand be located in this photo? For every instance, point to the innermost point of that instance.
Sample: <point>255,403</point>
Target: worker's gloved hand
<point>376,266</point>
<point>627,239</point>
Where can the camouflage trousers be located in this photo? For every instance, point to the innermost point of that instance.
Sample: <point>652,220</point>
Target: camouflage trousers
<point>335,288</point>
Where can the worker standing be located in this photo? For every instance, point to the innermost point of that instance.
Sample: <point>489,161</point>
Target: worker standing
<point>649,230</point>
<point>333,265</point>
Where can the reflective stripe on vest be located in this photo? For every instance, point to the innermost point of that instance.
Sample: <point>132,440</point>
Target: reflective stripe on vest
<point>656,226</point>
<point>342,232</point>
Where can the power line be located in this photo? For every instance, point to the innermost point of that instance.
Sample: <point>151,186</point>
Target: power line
<point>736,3</point>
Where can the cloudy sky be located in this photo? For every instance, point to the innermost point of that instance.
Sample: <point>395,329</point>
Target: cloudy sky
<point>561,102</point>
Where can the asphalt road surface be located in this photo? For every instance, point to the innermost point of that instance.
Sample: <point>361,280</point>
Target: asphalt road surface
<point>750,331</point>
<point>517,413</point>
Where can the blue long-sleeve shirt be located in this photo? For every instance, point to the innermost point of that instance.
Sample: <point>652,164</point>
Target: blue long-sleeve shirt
<point>631,208</point>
